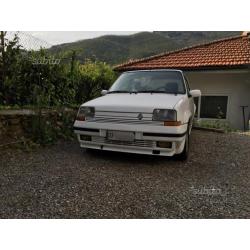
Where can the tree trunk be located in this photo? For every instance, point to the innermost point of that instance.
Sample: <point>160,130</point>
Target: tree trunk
<point>2,61</point>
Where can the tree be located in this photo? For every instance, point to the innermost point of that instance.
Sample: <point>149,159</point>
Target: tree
<point>34,78</point>
<point>2,64</point>
<point>93,77</point>
<point>9,63</point>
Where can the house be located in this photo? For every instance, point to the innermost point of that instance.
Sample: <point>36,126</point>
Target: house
<point>220,69</point>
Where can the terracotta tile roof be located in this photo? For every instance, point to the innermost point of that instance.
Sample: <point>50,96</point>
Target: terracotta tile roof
<point>229,52</point>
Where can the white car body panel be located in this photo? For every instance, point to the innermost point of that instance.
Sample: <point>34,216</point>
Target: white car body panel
<point>119,112</point>
<point>141,102</point>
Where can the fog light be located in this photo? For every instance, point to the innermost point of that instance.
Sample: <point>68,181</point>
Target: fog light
<point>164,144</point>
<point>85,137</point>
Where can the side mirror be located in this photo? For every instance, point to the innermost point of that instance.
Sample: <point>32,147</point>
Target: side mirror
<point>195,93</point>
<point>104,92</point>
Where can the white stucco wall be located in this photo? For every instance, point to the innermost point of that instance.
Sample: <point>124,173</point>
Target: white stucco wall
<point>233,83</point>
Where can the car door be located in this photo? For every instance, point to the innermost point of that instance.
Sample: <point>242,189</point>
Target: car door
<point>190,99</point>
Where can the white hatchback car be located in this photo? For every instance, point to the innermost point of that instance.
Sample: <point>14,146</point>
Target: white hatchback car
<point>145,111</point>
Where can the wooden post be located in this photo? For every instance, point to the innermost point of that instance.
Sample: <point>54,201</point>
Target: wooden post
<point>2,65</point>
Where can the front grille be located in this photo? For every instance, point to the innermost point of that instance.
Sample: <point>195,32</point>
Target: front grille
<point>125,118</point>
<point>135,143</point>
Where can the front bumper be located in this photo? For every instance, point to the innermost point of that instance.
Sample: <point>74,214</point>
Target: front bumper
<point>146,138</point>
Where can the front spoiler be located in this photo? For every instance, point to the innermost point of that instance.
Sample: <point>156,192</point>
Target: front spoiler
<point>138,135</point>
<point>130,149</point>
<point>176,135</point>
<point>178,143</point>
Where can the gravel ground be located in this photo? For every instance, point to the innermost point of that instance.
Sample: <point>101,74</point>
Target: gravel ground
<point>63,181</point>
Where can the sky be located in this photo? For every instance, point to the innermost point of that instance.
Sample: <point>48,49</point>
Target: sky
<point>57,37</point>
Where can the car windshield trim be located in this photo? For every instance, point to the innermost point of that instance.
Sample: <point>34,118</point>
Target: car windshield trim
<point>144,91</point>
<point>167,82</point>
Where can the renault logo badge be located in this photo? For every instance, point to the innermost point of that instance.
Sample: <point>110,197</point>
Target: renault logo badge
<point>140,116</point>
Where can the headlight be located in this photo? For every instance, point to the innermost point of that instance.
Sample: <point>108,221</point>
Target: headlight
<point>164,115</point>
<point>85,113</point>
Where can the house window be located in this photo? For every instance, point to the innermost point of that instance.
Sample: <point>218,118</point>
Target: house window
<point>214,107</point>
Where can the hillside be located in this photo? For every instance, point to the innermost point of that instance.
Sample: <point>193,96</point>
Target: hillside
<point>115,49</point>
<point>188,38</point>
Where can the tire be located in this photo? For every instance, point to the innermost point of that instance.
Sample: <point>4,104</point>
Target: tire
<point>88,150</point>
<point>183,156</point>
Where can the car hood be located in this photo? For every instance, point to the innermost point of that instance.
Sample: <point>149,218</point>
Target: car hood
<point>140,102</point>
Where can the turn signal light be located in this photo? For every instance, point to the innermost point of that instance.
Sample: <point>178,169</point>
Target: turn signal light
<point>172,123</point>
<point>164,144</point>
<point>80,117</point>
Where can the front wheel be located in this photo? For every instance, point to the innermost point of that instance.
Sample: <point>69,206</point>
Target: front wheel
<point>184,154</point>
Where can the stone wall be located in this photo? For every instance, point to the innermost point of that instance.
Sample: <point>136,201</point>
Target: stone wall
<point>12,124</point>
<point>16,124</point>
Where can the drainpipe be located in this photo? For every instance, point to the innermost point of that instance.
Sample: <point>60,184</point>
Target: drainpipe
<point>244,116</point>
<point>248,122</point>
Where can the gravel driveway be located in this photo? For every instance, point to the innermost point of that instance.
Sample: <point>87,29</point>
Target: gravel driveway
<point>63,181</point>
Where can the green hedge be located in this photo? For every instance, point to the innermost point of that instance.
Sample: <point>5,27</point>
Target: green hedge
<point>31,78</point>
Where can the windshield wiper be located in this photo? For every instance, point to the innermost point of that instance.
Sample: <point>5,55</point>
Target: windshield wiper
<point>117,91</point>
<point>143,91</point>
<point>121,91</point>
<point>157,91</point>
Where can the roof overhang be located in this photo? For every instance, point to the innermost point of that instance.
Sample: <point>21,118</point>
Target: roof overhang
<point>201,68</point>
<point>223,54</point>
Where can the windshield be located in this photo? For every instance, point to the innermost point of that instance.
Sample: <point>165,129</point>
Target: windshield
<point>149,81</point>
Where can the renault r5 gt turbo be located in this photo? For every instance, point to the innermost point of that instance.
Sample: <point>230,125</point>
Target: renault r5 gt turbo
<point>145,111</point>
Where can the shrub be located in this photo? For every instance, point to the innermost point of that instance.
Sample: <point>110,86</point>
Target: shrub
<point>217,124</point>
<point>25,81</point>
<point>48,128</point>
<point>92,78</point>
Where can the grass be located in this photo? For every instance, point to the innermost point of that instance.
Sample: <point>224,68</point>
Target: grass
<point>215,124</point>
